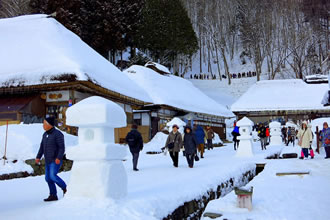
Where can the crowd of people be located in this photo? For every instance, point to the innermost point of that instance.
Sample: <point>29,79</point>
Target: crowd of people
<point>203,76</point>
<point>192,142</point>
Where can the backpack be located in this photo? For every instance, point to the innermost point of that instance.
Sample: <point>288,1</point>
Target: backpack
<point>131,139</point>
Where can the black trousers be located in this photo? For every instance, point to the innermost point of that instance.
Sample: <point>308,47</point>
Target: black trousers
<point>236,144</point>
<point>135,159</point>
<point>175,158</point>
<point>327,152</point>
<point>209,144</point>
<point>190,159</point>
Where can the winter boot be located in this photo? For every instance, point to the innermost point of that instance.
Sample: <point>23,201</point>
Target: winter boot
<point>64,191</point>
<point>51,198</point>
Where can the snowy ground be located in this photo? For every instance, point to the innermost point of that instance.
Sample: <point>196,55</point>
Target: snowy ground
<point>283,197</point>
<point>153,192</point>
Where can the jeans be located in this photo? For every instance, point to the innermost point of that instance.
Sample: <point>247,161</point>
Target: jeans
<point>305,151</point>
<point>52,178</point>
<point>175,158</point>
<point>263,143</point>
<point>190,159</point>
<point>135,159</point>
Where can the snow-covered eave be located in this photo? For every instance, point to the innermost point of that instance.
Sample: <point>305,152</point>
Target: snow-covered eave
<point>87,86</point>
<point>236,110</point>
<point>190,111</point>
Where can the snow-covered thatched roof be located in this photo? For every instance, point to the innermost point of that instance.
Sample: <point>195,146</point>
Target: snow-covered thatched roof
<point>274,95</point>
<point>36,49</point>
<point>175,91</point>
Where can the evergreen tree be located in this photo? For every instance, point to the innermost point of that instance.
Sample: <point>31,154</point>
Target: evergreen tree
<point>166,31</point>
<point>104,25</point>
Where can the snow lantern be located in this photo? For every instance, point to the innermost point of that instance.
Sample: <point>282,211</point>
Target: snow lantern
<point>245,145</point>
<point>244,198</point>
<point>98,170</point>
<point>275,133</point>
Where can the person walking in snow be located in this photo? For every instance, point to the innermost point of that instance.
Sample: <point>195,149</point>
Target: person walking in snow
<point>262,136</point>
<point>284,134</point>
<point>209,137</point>
<point>174,144</point>
<point>135,143</point>
<point>305,138</point>
<point>190,146</point>
<point>52,147</point>
<point>267,135</point>
<point>200,135</point>
<point>235,134</point>
<point>325,139</point>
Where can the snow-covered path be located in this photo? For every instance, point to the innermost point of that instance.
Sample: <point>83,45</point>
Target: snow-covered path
<point>291,197</point>
<point>153,192</point>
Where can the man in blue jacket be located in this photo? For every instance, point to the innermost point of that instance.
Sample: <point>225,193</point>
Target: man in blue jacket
<point>52,147</point>
<point>200,135</point>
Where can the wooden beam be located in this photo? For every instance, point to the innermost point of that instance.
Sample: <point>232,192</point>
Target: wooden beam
<point>292,173</point>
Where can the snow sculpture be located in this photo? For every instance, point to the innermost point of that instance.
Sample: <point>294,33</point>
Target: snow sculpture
<point>98,170</point>
<point>275,133</point>
<point>245,145</point>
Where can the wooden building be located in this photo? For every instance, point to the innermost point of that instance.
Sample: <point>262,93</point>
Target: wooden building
<point>47,68</point>
<point>282,100</point>
<point>173,96</point>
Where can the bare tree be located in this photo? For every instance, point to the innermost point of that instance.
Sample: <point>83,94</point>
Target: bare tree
<point>12,8</point>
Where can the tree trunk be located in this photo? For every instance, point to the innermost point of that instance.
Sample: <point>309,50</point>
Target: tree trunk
<point>225,64</point>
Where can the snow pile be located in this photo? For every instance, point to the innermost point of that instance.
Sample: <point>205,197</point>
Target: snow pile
<point>14,167</point>
<point>319,122</point>
<point>283,197</point>
<point>158,66</point>
<point>47,52</point>
<point>281,95</point>
<point>156,143</point>
<point>23,143</point>
<point>217,139</point>
<point>175,91</point>
<point>178,122</point>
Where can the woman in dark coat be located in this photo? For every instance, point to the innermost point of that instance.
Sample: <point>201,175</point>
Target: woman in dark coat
<point>190,146</point>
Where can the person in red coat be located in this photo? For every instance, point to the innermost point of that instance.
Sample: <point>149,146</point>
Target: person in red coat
<point>267,134</point>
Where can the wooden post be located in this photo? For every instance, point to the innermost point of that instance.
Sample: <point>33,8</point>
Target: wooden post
<point>317,140</point>
<point>4,156</point>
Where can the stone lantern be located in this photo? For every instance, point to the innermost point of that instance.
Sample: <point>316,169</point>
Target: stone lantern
<point>275,133</point>
<point>245,145</point>
<point>98,170</point>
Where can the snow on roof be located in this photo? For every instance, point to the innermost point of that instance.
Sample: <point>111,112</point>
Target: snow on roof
<point>275,95</point>
<point>245,121</point>
<point>158,66</point>
<point>36,50</point>
<point>175,91</point>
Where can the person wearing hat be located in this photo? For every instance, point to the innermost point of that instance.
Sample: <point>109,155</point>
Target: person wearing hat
<point>52,147</point>
<point>174,144</point>
<point>305,137</point>
<point>324,137</point>
<point>135,143</point>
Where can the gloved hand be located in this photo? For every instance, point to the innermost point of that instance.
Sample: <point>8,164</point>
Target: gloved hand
<point>37,161</point>
<point>57,161</point>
